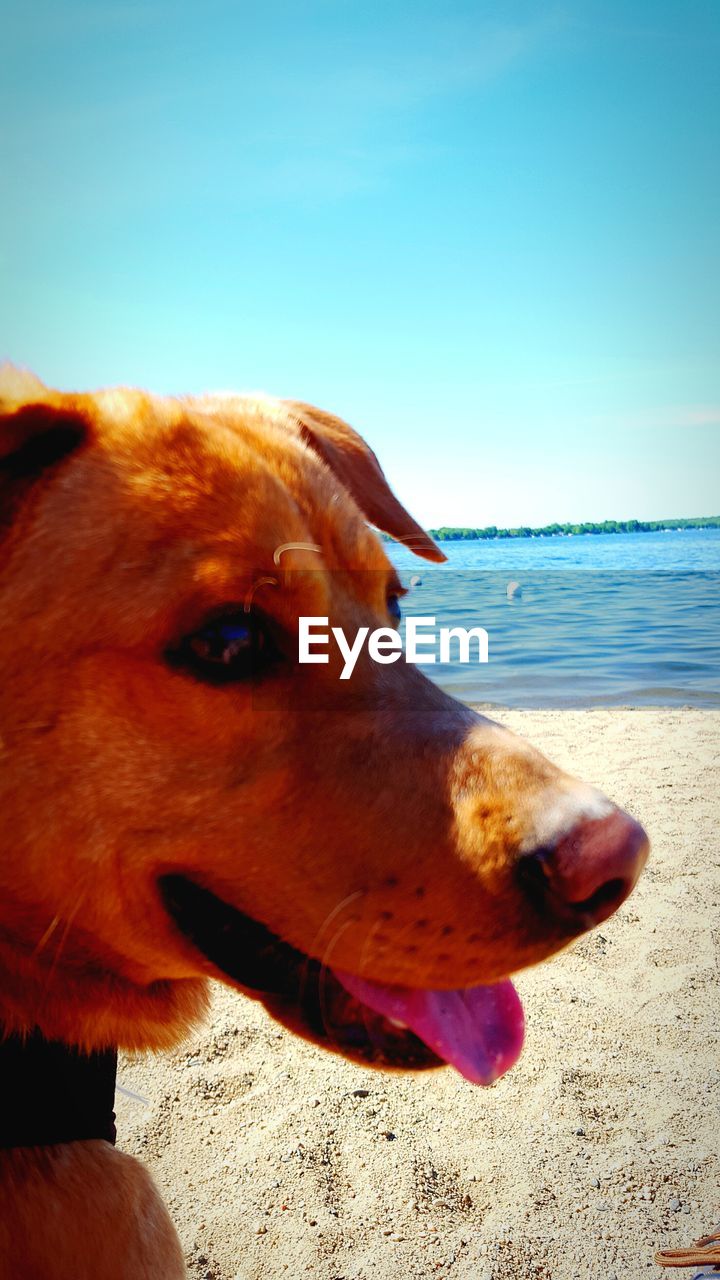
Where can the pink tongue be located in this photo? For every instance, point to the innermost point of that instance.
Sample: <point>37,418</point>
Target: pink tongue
<point>479,1031</point>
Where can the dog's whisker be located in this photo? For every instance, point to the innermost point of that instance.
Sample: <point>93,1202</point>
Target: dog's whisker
<point>410,540</point>
<point>134,1097</point>
<point>261,582</point>
<point>324,967</point>
<point>294,546</point>
<point>62,940</point>
<point>333,942</point>
<point>332,915</point>
<point>47,934</point>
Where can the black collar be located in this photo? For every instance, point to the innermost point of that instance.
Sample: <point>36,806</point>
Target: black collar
<point>52,1093</point>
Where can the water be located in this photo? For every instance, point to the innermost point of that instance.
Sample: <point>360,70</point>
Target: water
<point>603,619</point>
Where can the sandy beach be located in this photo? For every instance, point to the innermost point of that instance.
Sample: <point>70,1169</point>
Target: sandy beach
<point>277,1159</point>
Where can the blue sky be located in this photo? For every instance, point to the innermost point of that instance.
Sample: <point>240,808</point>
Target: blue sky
<point>488,234</point>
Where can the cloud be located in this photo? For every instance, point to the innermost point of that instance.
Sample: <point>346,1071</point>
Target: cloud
<point>321,111</point>
<point>443,57</point>
<point>663,417</point>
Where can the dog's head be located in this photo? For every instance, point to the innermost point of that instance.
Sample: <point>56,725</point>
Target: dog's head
<point>180,798</point>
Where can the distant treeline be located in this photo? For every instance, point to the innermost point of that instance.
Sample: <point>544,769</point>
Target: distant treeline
<point>449,534</point>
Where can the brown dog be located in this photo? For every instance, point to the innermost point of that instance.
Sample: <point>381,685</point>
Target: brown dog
<point>181,800</point>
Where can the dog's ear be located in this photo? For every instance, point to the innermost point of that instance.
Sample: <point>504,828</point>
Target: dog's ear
<point>355,465</point>
<point>34,438</point>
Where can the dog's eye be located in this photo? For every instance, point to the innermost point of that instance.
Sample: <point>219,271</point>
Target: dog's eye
<point>228,649</point>
<point>393,606</point>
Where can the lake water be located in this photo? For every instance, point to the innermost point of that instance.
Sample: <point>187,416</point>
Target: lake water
<point>602,619</point>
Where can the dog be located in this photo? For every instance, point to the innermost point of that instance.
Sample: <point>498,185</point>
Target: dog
<point>181,800</point>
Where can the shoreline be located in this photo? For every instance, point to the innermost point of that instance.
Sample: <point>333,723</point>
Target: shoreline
<point>567,529</point>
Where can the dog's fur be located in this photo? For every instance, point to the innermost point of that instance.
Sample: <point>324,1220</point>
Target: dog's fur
<point>376,824</point>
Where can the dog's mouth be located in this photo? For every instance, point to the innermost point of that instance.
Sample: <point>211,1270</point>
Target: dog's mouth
<point>478,1030</point>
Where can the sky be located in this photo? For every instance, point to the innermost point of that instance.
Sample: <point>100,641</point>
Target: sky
<point>486,233</point>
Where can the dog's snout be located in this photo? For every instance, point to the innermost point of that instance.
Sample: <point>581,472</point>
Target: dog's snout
<point>585,876</point>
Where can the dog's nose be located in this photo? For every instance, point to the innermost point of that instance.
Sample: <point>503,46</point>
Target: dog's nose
<point>589,872</point>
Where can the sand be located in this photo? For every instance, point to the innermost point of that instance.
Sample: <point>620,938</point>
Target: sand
<point>601,1145</point>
